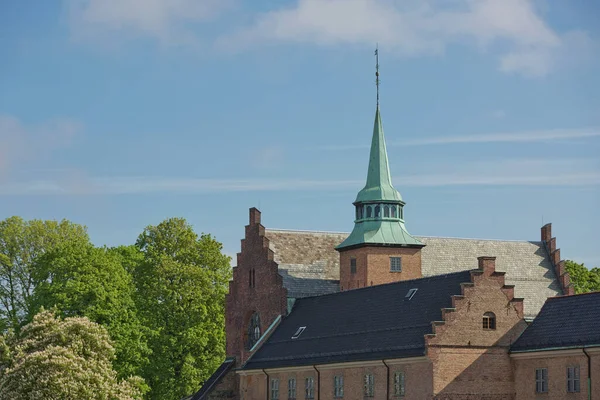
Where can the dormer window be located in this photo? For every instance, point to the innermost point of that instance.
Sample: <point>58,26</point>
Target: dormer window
<point>393,211</point>
<point>378,211</point>
<point>489,321</point>
<point>298,332</point>
<point>386,211</point>
<point>369,211</point>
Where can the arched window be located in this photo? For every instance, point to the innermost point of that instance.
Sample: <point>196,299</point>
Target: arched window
<point>386,211</point>
<point>401,214</point>
<point>253,330</point>
<point>393,211</point>
<point>377,211</point>
<point>368,211</point>
<point>489,321</point>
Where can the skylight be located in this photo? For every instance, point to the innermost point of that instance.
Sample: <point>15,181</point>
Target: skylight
<point>298,332</point>
<point>411,293</point>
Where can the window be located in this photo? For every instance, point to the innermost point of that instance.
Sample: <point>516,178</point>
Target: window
<point>410,294</point>
<point>573,383</point>
<point>353,265</point>
<point>310,388</point>
<point>274,389</point>
<point>378,211</point>
<point>386,211</point>
<point>298,332</point>
<point>291,388</point>
<point>541,380</point>
<point>369,385</point>
<point>393,211</point>
<point>489,321</point>
<point>399,384</point>
<point>396,264</point>
<point>401,214</point>
<point>338,386</point>
<point>368,211</point>
<point>252,278</point>
<point>253,330</point>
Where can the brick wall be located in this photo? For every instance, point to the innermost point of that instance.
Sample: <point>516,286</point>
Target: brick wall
<point>418,381</point>
<point>468,360</point>
<point>226,388</point>
<point>557,362</point>
<point>564,280</point>
<point>267,297</point>
<point>373,266</point>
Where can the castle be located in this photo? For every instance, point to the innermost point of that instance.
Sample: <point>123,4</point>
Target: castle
<point>382,314</point>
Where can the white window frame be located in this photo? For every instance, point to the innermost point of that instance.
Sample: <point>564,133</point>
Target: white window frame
<point>310,387</point>
<point>573,379</point>
<point>395,264</point>
<point>369,385</point>
<point>274,389</point>
<point>399,383</point>
<point>291,388</point>
<point>338,386</point>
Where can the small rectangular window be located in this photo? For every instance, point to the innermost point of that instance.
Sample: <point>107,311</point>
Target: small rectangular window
<point>369,385</point>
<point>573,382</point>
<point>353,265</point>
<point>338,386</point>
<point>396,264</point>
<point>541,380</point>
<point>310,388</point>
<point>298,332</point>
<point>275,389</point>
<point>292,389</point>
<point>399,384</point>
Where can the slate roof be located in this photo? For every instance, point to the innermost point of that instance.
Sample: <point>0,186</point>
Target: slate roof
<point>214,379</point>
<point>569,321</point>
<point>362,324</point>
<point>309,263</point>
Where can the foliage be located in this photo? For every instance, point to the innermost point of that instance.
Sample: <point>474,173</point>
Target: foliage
<point>62,359</point>
<point>21,242</point>
<point>584,280</point>
<point>82,280</point>
<point>181,286</point>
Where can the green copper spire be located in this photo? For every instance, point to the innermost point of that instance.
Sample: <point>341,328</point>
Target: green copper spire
<point>379,207</point>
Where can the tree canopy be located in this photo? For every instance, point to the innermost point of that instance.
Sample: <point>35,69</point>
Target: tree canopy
<point>585,280</point>
<point>68,359</point>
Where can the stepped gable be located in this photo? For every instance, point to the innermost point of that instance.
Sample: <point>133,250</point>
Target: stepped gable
<point>311,260</point>
<point>358,325</point>
<point>563,322</point>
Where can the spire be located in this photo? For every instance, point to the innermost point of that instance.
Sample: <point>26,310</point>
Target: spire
<point>379,207</point>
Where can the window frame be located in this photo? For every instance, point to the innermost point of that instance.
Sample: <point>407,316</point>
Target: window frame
<point>573,379</point>
<point>352,265</point>
<point>369,385</point>
<point>310,387</point>
<point>488,322</point>
<point>274,389</point>
<point>338,386</point>
<point>397,268</point>
<point>291,388</point>
<point>541,380</point>
<point>399,383</point>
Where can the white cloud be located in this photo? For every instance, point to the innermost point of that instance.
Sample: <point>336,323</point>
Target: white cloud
<point>168,21</point>
<point>503,137</point>
<point>416,27</point>
<point>25,144</point>
<point>565,172</point>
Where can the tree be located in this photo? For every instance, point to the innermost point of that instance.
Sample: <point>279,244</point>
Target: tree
<point>82,280</point>
<point>66,359</point>
<point>584,280</point>
<point>21,243</point>
<point>181,286</point>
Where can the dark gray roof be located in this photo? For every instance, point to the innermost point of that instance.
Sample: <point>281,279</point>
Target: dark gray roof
<point>214,379</point>
<point>360,324</point>
<point>309,263</point>
<point>567,321</point>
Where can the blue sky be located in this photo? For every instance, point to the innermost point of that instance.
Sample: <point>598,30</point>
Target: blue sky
<point>117,114</point>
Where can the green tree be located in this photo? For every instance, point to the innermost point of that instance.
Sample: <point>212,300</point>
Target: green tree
<point>181,286</point>
<point>62,359</point>
<point>584,280</point>
<point>21,243</point>
<point>82,280</point>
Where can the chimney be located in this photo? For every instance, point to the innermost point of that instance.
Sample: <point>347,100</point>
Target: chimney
<point>487,264</point>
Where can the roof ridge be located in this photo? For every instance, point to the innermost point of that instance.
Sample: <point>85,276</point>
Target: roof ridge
<point>572,295</point>
<point>418,236</point>
<point>430,277</point>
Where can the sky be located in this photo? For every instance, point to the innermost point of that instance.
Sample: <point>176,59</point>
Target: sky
<point>118,114</point>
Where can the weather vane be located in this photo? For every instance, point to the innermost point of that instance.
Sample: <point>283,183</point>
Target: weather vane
<point>377,71</point>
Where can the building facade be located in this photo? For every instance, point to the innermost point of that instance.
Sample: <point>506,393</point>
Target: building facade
<point>380,313</point>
